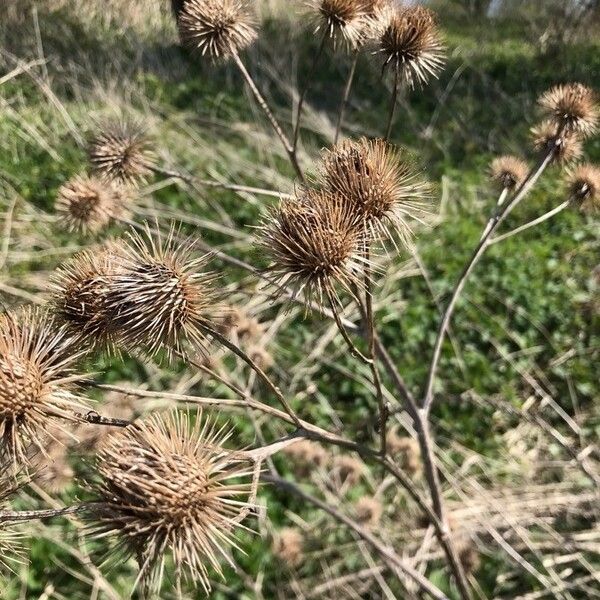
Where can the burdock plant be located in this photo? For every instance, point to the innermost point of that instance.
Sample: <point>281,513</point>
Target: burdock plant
<point>572,108</point>
<point>36,382</point>
<point>584,186</point>
<point>379,183</point>
<point>121,152</point>
<point>508,172</point>
<point>168,485</point>
<point>89,204</point>
<point>158,297</point>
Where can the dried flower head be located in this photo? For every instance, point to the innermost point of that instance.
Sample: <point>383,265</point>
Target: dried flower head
<point>79,296</point>
<point>121,153</point>
<point>314,242</point>
<point>53,472</point>
<point>89,204</point>
<point>469,558</point>
<point>158,297</point>
<point>288,546</point>
<point>566,148</point>
<point>572,108</point>
<point>36,379</point>
<point>509,172</point>
<point>584,186</point>
<point>368,511</point>
<point>261,356</point>
<point>406,451</point>
<point>348,469</point>
<point>307,456</point>
<point>217,28</point>
<point>379,183</point>
<point>167,485</point>
<point>341,20</point>
<point>411,43</point>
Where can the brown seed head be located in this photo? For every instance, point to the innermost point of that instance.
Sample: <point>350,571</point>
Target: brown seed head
<point>158,297</point>
<point>566,148</point>
<point>411,43</point>
<point>368,511</point>
<point>572,108</point>
<point>261,356</point>
<point>217,28</point>
<point>307,457</point>
<point>584,186</point>
<point>379,184</point>
<point>79,296</point>
<point>343,20</point>
<point>89,204</point>
<point>348,469</point>
<point>314,242</point>
<point>469,558</point>
<point>169,485</point>
<point>287,546</point>
<point>509,172</point>
<point>406,451</point>
<point>121,153</point>
<point>36,378</point>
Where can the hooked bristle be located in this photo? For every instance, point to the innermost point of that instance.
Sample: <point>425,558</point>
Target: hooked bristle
<point>584,186</point>
<point>379,184</point>
<point>341,20</point>
<point>88,204</point>
<point>573,108</point>
<point>121,153</point>
<point>314,242</point>
<point>411,43</point>
<point>36,382</point>
<point>167,485</point>
<point>509,172</point>
<point>217,28</point>
<point>565,148</point>
<point>158,297</point>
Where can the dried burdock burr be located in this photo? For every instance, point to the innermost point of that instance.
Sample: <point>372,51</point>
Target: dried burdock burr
<point>341,20</point>
<point>411,43</point>
<point>368,511</point>
<point>168,485</point>
<point>406,451</point>
<point>217,28</point>
<point>469,558</point>
<point>88,203</point>
<point>565,148</point>
<point>572,108</point>
<point>159,298</point>
<point>508,172</point>
<point>121,152</point>
<point>80,290</point>
<point>314,243</point>
<point>307,457</point>
<point>348,469</point>
<point>37,357</point>
<point>288,546</point>
<point>584,186</point>
<point>380,185</point>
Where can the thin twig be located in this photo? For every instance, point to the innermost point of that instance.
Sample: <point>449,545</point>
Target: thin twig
<point>393,102</point>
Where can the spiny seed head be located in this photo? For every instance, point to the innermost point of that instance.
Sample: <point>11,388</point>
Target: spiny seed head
<point>406,451</point>
<point>411,43</point>
<point>314,242</point>
<point>368,511</point>
<point>80,289</point>
<point>36,378</point>
<point>88,204</point>
<point>217,28</point>
<point>169,485</point>
<point>121,153</point>
<point>379,183</point>
<point>566,148</point>
<point>288,546</point>
<point>158,297</point>
<point>307,457</point>
<point>348,469</point>
<point>341,20</point>
<point>509,172</point>
<point>584,186</point>
<point>572,108</point>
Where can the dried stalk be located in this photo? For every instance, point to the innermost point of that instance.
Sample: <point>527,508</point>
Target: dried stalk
<point>346,96</point>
